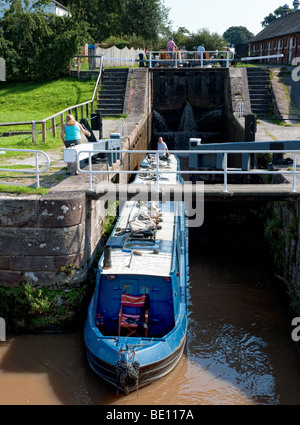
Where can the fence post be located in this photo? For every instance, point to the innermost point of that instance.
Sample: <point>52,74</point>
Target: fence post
<point>44,131</point>
<point>227,58</point>
<point>225,172</point>
<point>33,132</point>
<point>61,120</point>
<point>53,127</point>
<point>78,67</point>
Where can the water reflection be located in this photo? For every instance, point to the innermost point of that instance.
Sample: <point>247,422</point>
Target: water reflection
<point>238,332</point>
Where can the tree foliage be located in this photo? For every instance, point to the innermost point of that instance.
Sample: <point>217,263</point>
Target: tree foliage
<point>119,18</point>
<point>191,40</point>
<point>36,45</point>
<point>280,11</point>
<point>237,35</point>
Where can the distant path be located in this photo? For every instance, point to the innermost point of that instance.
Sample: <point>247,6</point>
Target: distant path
<point>268,130</point>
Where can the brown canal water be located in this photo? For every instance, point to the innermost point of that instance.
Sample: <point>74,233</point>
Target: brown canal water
<point>239,350</point>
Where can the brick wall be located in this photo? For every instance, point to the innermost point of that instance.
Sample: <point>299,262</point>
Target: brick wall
<point>288,45</point>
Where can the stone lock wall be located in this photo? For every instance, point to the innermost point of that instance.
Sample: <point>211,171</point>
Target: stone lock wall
<point>43,235</point>
<point>282,230</point>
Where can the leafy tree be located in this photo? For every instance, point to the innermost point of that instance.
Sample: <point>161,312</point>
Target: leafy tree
<point>37,45</point>
<point>237,35</point>
<point>191,41</point>
<point>121,18</point>
<point>210,40</point>
<point>280,11</point>
<point>182,37</point>
<point>144,18</point>
<point>102,16</point>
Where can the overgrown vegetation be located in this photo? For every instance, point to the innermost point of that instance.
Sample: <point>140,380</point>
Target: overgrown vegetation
<point>29,308</point>
<point>37,45</point>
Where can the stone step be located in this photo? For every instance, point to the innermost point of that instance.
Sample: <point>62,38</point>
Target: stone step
<point>259,89</point>
<point>110,104</point>
<point>113,84</point>
<point>260,103</point>
<point>261,95</point>
<point>258,75</point>
<point>116,70</point>
<point>110,112</point>
<point>113,99</point>
<point>112,91</point>
<point>259,83</point>
<point>259,111</point>
<point>115,77</point>
<point>258,71</point>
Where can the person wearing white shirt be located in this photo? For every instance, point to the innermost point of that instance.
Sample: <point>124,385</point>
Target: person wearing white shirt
<point>162,146</point>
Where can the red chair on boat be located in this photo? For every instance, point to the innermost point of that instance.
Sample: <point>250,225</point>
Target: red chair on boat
<point>133,314</point>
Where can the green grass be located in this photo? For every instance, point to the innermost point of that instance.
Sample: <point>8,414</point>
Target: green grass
<point>19,190</point>
<point>36,101</point>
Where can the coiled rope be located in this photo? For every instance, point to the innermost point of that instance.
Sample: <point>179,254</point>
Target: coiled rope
<point>127,372</point>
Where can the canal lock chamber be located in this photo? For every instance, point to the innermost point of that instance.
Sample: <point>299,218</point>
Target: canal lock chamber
<point>197,103</point>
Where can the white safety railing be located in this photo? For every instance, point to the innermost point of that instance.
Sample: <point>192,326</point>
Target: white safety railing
<point>255,58</point>
<point>36,169</point>
<point>225,171</point>
<point>189,58</point>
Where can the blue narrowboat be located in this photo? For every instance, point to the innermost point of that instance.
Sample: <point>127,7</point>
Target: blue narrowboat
<point>135,330</point>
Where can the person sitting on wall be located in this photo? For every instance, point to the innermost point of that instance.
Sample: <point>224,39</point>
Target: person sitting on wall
<point>162,146</point>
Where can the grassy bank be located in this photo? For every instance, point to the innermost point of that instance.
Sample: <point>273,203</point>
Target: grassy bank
<point>36,101</point>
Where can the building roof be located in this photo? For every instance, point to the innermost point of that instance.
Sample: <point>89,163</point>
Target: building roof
<point>289,24</point>
<point>61,6</point>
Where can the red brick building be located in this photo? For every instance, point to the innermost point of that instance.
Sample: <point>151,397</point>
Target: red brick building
<point>282,36</point>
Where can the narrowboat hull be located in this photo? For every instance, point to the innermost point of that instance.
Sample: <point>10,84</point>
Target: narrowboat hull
<point>157,267</point>
<point>148,372</point>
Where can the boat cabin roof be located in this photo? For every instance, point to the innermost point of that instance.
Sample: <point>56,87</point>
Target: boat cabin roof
<point>142,240</point>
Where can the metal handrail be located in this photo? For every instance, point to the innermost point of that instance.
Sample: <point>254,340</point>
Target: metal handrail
<point>228,57</point>
<point>225,171</point>
<point>37,171</point>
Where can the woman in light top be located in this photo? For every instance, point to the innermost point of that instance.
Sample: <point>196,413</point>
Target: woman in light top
<point>70,135</point>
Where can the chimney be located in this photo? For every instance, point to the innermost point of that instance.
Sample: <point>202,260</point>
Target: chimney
<point>286,9</point>
<point>296,5</point>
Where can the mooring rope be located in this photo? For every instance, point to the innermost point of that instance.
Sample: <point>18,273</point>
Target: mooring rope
<point>127,371</point>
